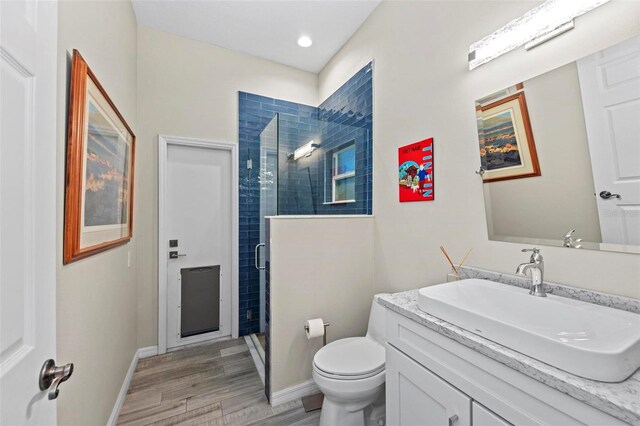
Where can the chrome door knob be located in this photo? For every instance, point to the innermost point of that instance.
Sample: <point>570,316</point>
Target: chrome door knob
<point>51,376</point>
<point>605,195</point>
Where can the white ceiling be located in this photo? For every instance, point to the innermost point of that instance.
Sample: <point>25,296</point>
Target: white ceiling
<point>264,28</point>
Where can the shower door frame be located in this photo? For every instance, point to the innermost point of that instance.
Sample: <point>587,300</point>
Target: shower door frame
<point>264,205</point>
<point>163,142</point>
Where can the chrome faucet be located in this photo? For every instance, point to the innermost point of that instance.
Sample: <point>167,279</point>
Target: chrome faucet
<point>536,265</point>
<point>570,242</point>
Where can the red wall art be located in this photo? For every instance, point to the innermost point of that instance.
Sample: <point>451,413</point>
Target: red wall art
<point>415,171</point>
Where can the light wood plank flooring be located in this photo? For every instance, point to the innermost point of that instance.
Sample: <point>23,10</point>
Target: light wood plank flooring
<point>263,340</point>
<point>215,384</point>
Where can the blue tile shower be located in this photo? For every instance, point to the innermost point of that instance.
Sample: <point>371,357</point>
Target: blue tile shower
<point>272,182</point>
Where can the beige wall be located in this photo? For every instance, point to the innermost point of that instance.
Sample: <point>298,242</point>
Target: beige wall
<point>170,85</point>
<point>530,207</point>
<point>320,267</point>
<point>96,297</point>
<point>188,88</point>
<point>423,88</point>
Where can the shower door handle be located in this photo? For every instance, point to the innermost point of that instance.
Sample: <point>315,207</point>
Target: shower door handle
<point>257,256</point>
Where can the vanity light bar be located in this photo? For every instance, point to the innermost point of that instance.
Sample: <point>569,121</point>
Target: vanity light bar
<point>305,150</point>
<point>548,20</point>
<point>548,36</point>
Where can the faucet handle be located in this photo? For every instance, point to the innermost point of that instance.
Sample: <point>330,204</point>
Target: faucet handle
<point>536,257</point>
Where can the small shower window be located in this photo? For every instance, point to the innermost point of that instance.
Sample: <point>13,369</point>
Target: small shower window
<point>344,174</point>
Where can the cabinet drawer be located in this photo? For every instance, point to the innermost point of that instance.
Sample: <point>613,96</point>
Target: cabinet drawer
<point>484,417</point>
<point>415,396</point>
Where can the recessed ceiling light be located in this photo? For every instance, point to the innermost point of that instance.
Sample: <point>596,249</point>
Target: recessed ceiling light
<point>304,41</point>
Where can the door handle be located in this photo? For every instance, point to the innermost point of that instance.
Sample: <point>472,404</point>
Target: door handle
<point>257,253</point>
<point>605,195</point>
<point>175,255</point>
<point>52,376</point>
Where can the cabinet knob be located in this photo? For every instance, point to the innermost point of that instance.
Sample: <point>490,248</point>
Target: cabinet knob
<point>453,419</point>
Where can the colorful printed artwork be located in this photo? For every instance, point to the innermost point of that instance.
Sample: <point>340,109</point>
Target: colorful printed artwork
<point>415,171</point>
<point>499,144</point>
<point>106,192</point>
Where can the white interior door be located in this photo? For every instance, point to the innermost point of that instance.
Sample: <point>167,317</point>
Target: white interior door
<point>28,47</point>
<point>198,209</point>
<point>610,85</point>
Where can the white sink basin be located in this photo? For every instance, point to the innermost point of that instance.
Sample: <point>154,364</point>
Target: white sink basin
<point>591,341</point>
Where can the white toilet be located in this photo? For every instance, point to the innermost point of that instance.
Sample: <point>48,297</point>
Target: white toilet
<point>351,374</point>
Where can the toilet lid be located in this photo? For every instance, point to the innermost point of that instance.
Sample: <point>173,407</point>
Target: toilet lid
<point>354,356</point>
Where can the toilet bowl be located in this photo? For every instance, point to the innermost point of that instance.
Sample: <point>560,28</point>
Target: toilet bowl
<point>351,374</point>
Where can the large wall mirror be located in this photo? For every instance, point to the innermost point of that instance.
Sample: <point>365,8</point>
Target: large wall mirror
<point>560,154</point>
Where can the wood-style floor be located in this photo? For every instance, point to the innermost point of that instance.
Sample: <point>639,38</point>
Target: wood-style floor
<point>263,341</point>
<point>214,384</point>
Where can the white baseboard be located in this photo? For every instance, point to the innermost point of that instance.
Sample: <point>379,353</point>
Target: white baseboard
<point>139,354</point>
<point>294,392</point>
<point>147,352</point>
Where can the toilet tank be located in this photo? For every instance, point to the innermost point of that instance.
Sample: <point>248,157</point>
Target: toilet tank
<point>377,326</point>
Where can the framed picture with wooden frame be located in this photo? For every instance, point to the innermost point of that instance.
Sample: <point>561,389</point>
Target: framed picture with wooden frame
<point>98,211</point>
<point>507,147</point>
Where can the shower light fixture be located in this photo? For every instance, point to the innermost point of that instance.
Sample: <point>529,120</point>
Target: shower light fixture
<point>305,150</point>
<point>542,23</point>
<point>305,41</point>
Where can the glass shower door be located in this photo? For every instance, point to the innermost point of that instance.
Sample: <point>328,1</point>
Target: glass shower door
<point>268,179</point>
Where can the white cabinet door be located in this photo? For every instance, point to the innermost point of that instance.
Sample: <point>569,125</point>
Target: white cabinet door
<point>483,417</point>
<point>417,397</point>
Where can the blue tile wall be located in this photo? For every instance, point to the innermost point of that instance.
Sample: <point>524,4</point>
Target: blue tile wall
<point>267,333</point>
<point>267,308</point>
<point>345,117</point>
<point>295,122</point>
<point>297,180</point>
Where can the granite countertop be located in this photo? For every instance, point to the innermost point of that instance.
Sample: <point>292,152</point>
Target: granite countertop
<point>620,400</point>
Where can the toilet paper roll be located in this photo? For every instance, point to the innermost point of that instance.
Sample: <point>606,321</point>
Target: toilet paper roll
<point>314,328</point>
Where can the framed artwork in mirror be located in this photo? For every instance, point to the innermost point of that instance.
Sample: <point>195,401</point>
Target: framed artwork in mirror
<point>507,147</point>
<point>99,171</point>
<point>587,137</point>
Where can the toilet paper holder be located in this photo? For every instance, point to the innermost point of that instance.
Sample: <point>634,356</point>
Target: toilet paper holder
<point>324,336</point>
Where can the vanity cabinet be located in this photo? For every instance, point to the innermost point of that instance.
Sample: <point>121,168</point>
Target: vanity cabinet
<point>416,396</point>
<point>434,380</point>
